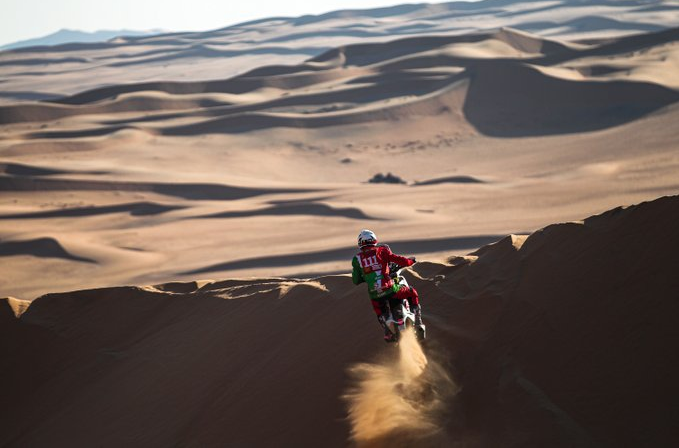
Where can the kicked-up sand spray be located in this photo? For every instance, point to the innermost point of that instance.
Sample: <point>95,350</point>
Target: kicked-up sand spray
<point>398,399</point>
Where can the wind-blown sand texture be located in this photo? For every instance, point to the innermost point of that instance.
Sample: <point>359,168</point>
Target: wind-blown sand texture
<point>564,338</point>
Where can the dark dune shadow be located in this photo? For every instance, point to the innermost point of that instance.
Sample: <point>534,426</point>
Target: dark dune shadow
<point>608,47</point>
<point>39,247</point>
<point>19,169</point>
<point>37,61</point>
<point>415,27</point>
<point>404,247</point>
<point>72,46</point>
<point>299,208</point>
<point>469,14</point>
<point>28,96</point>
<point>79,133</point>
<point>143,54</point>
<point>330,33</point>
<point>142,102</point>
<point>594,23</point>
<point>404,80</point>
<point>298,201</point>
<point>209,53</point>
<point>509,99</point>
<point>657,8</point>
<point>450,180</point>
<point>590,23</point>
<point>523,12</point>
<point>134,209</point>
<point>197,192</point>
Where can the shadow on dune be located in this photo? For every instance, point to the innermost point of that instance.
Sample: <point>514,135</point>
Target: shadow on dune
<point>20,169</point>
<point>39,247</point>
<point>303,208</point>
<point>345,254</point>
<point>512,100</point>
<point>621,45</point>
<point>590,23</point>
<point>186,191</point>
<point>81,133</point>
<point>28,96</point>
<point>449,180</point>
<point>38,61</point>
<point>134,209</point>
<point>206,52</point>
<point>332,33</point>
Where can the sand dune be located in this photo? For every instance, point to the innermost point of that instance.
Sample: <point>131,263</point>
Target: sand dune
<point>234,50</point>
<point>134,209</point>
<point>548,87</point>
<point>41,247</point>
<point>245,154</point>
<point>143,165</point>
<point>155,365</point>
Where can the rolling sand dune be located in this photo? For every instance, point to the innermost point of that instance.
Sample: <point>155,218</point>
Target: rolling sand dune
<point>72,68</point>
<point>484,78</point>
<point>563,338</point>
<point>492,132</point>
<point>41,247</point>
<point>255,153</point>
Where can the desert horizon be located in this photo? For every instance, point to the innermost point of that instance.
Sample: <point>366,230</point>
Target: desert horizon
<point>182,208</point>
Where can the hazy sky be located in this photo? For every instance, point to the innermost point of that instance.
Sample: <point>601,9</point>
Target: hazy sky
<point>25,19</point>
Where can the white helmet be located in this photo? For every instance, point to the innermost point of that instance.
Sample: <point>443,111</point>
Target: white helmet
<point>367,238</point>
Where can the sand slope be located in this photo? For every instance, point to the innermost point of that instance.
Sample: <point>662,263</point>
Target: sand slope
<point>565,337</point>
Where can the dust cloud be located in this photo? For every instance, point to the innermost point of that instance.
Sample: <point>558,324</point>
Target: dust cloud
<point>398,399</point>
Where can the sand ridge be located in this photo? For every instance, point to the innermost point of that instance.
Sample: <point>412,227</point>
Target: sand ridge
<point>174,356</point>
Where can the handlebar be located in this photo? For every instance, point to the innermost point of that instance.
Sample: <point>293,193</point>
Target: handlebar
<point>393,270</point>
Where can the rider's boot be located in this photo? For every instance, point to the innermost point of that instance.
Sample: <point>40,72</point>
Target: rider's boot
<point>388,335</point>
<point>419,326</point>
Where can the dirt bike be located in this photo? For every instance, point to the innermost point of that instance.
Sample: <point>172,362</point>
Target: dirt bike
<point>401,317</point>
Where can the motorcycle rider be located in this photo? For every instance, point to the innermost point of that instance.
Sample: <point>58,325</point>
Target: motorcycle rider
<point>371,265</point>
